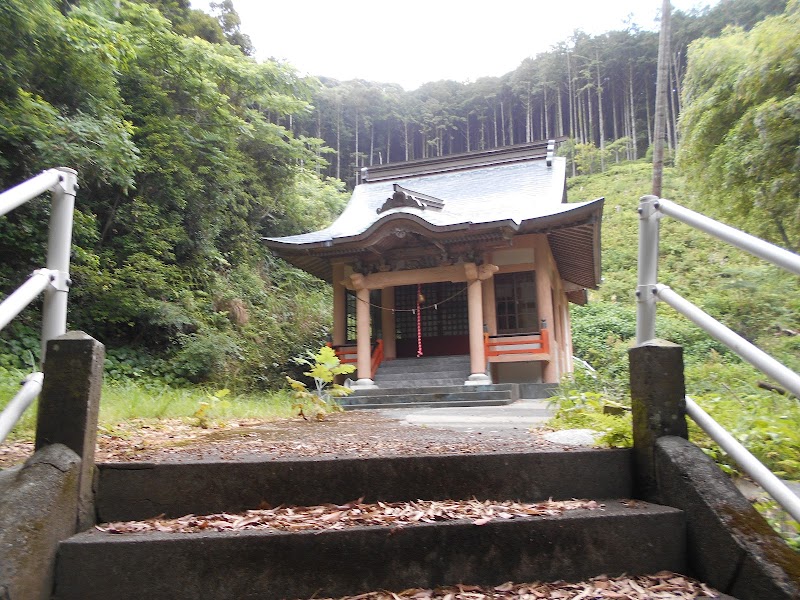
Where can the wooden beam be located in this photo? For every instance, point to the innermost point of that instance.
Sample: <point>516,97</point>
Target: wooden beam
<point>454,273</point>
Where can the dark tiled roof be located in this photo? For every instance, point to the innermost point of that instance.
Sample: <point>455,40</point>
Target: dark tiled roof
<point>513,192</point>
<point>515,196</point>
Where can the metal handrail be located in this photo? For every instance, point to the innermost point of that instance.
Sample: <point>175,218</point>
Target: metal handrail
<point>748,463</point>
<point>31,386</point>
<point>53,280</point>
<point>651,209</point>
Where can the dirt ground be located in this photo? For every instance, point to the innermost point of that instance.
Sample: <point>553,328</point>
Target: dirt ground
<point>355,433</point>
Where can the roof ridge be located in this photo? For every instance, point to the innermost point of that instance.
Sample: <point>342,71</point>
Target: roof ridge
<point>455,162</point>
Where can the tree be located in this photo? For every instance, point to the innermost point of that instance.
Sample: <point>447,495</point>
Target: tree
<point>661,100</point>
<point>741,125</point>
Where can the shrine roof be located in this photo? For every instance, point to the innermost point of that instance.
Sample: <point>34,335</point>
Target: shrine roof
<point>521,189</point>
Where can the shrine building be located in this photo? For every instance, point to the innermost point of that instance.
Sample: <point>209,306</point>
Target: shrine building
<point>475,254</point>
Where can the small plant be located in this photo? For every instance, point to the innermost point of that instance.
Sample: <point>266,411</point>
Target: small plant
<point>215,400</point>
<point>584,401</point>
<point>788,528</point>
<point>324,367</point>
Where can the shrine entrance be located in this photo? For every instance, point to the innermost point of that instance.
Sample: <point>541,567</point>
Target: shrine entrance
<point>443,319</point>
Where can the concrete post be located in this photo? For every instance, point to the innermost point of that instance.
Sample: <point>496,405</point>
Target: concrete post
<point>658,402</point>
<point>69,406</point>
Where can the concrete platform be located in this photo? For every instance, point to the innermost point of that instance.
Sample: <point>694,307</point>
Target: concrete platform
<point>522,414</point>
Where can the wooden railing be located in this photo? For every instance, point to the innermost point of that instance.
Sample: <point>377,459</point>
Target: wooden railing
<point>348,355</point>
<point>517,347</point>
<point>377,357</point>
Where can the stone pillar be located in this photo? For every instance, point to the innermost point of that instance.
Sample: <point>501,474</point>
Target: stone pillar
<point>658,403</point>
<point>364,348</point>
<point>388,325</point>
<point>69,405</point>
<point>477,358</point>
<point>339,332</point>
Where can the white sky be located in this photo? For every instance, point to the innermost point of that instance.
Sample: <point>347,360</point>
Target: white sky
<point>411,42</point>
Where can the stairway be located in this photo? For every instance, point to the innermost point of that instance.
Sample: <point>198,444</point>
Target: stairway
<point>428,381</point>
<point>623,537</point>
<point>425,371</point>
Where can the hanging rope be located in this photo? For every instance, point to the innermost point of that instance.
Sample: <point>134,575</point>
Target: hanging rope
<point>419,320</point>
<point>418,308</point>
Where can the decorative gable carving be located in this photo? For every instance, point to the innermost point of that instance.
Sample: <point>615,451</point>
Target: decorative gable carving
<point>403,198</point>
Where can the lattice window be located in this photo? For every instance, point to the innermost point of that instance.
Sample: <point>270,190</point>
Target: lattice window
<point>515,300</point>
<point>374,313</point>
<point>448,316</point>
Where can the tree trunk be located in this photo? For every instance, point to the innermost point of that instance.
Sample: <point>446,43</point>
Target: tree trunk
<point>600,117</point>
<point>571,96</point>
<point>356,153</point>
<point>632,113</point>
<point>560,115</point>
<point>405,137</point>
<point>371,142</point>
<point>495,126</point>
<point>661,100</point>
<point>546,135</point>
<point>319,137</point>
<point>503,122</point>
<point>511,122</point>
<point>590,108</point>
<point>647,117</point>
<point>529,116</point>
<point>388,141</point>
<point>338,139</point>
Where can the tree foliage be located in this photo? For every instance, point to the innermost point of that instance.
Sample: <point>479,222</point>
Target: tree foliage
<point>742,125</point>
<point>183,167</point>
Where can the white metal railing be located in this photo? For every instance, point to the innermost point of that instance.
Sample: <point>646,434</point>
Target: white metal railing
<point>649,291</point>
<point>53,279</point>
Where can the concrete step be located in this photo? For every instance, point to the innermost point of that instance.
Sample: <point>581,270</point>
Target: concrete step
<point>128,491</point>
<point>410,383</point>
<point>426,362</point>
<point>453,389</point>
<point>402,402</point>
<point>407,377</point>
<point>635,538</point>
<point>492,398</point>
<point>405,397</point>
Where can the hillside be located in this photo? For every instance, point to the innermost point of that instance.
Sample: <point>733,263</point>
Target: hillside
<point>758,301</point>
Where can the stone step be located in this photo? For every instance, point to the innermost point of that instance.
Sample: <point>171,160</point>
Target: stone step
<point>440,396</point>
<point>633,538</point>
<point>487,398</point>
<point>452,389</point>
<point>408,377</point>
<point>128,491</point>
<point>412,365</point>
<point>405,403</point>
<point>412,385</point>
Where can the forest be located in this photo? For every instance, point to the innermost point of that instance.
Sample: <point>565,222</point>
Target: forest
<point>598,91</point>
<point>189,151</point>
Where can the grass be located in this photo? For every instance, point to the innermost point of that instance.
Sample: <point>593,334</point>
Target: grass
<point>152,401</point>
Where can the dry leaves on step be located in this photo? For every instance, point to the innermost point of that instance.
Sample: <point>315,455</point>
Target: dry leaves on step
<point>661,586</point>
<point>353,514</point>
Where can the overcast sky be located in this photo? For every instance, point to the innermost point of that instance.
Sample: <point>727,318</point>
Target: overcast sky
<point>415,41</point>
